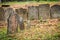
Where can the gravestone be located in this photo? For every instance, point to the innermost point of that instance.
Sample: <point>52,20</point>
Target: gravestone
<point>19,11</point>
<point>2,14</point>
<point>22,12</point>
<point>55,11</point>
<point>20,22</point>
<point>12,23</point>
<point>44,11</point>
<point>33,12</point>
<point>7,12</point>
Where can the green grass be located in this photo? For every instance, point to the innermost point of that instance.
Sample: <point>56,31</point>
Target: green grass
<point>36,35</point>
<point>28,2</point>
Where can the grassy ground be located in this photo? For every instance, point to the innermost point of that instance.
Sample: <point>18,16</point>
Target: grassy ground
<point>31,2</point>
<point>36,32</point>
<point>42,2</point>
<point>40,31</point>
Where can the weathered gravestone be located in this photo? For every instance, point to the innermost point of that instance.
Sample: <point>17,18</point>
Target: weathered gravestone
<point>2,14</point>
<point>55,11</point>
<point>22,12</point>
<point>12,23</point>
<point>7,12</point>
<point>33,12</point>
<point>20,22</point>
<point>44,11</point>
<point>13,20</point>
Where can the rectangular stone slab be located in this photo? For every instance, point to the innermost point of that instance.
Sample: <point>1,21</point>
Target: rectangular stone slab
<point>44,11</point>
<point>55,11</point>
<point>22,13</point>
<point>33,12</point>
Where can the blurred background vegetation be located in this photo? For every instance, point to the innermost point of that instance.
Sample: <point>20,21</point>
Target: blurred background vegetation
<point>25,0</point>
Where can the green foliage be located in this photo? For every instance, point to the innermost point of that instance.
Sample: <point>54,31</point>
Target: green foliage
<point>27,0</point>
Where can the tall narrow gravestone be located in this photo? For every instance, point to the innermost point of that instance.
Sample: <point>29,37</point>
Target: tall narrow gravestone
<point>55,11</point>
<point>33,12</point>
<point>20,22</point>
<point>12,23</point>
<point>44,11</point>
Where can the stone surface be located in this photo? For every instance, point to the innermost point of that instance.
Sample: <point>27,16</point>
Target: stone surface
<point>44,11</point>
<point>33,12</point>
<point>12,23</point>
<point>7,12</point>
<point>20,22</point>
<point>22,12</point>
<point>55,11</point>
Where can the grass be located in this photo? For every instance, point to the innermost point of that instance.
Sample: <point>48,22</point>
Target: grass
<point>29,35</point>
<point>34,33</point>
<point>29,2</point>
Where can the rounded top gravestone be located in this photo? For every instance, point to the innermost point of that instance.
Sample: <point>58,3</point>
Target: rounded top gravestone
<point>55,11</point>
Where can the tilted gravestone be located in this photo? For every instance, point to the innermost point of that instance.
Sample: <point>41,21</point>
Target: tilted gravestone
<point>33,12</point>
<point>13,20</point>
<point>12,23</point>
<point>55,11</point>
<point>22,12</point>
<point>2,14</point>
<point>44,11</point>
